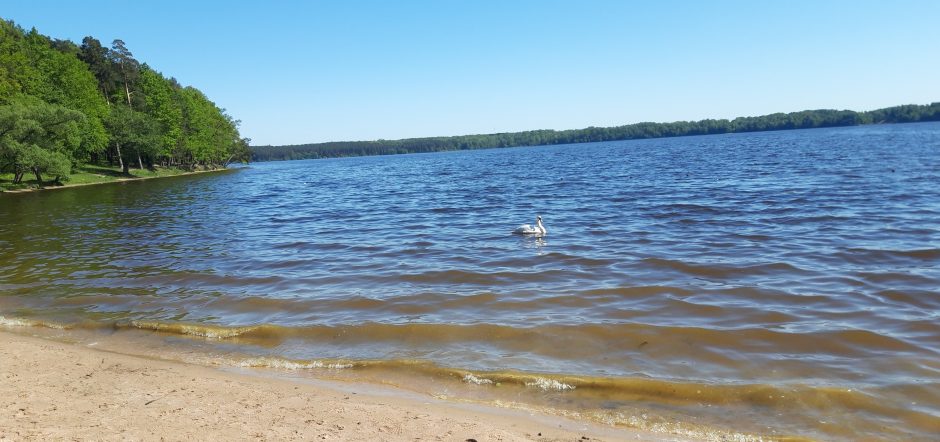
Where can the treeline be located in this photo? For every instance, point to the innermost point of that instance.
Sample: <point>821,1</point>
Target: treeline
<point>64,104</point>
<point>779,121</point>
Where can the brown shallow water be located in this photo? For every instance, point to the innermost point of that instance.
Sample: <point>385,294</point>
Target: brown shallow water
<point>771,284</point>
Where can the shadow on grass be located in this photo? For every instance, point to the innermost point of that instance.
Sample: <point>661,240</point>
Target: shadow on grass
<point>106,171</point>
<point>7,185</point>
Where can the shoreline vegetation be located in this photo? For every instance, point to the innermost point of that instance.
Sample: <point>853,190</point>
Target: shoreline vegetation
<point>88,175</point>
<point>89,113</point>
<point>807,119</point>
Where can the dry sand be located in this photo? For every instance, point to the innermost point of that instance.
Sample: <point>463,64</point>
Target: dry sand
<point>51,390</point>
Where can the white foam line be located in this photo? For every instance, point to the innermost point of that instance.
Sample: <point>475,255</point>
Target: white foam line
<point>14,322</point>
<point>18,322</point>
<point>549,384</point>
<point>287,365</point>
<point>471,379</point>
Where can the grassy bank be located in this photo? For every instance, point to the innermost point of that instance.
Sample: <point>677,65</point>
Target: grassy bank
<point>92,174</point>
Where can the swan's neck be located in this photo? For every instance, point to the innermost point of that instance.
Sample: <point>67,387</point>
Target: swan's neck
<point>538,225</point>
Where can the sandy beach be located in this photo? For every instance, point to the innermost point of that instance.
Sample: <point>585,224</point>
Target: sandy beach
<point>51,390</point>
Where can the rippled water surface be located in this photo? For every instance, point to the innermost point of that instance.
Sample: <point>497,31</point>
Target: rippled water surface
<point>779,283</point>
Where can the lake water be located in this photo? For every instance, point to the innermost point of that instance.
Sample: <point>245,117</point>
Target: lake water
<point>745,285</point>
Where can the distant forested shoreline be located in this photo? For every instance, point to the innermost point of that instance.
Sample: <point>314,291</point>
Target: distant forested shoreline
<point>67,108</point>
<point>778,121</point>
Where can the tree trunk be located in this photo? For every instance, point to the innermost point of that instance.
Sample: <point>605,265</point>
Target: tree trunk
<point>139,162</point>
<point>38,176</point>
<point>127,90</point>
<point>120,160</point>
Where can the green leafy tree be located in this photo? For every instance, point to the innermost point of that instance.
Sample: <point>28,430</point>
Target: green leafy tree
<point>32,65</point>
<point>38,137</point>
<point>116,106</point>
<point>45,162</point>
<point>127,67</point>
<point>98,60</point>
<point>211,137</point>
<point>135,132</point>
<point>165,107</point>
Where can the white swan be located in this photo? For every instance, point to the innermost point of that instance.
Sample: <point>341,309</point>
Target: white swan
<point>526,229</point>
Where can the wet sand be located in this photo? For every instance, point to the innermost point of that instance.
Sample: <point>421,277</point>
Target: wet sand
<point>51,390</point>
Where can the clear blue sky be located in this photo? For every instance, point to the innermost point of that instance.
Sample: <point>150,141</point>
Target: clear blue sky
<point>309,71</point>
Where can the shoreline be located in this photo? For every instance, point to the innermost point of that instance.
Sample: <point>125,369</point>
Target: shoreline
<point>118,180</point>
<point>82,392</point>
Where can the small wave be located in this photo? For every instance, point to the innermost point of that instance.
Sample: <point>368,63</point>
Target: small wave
<point>446,209</point>
<point>897,279</point>
<point>583,261</point>
<point>638,291</point>
<point>205,331</point>
<point>291,220</point>
<point>815,219</point>
<point>291,245</point>
<point>16,322</point>
<point>723,270</point>
<point>679,210</point>
<point>920,298</point>
<point>23,322</point>
<point>460,277</point>
<point>753,237</point>
<point>471,379</point>
<point>863,255</point>
<point>549,384</point>
<point>287,364</point>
